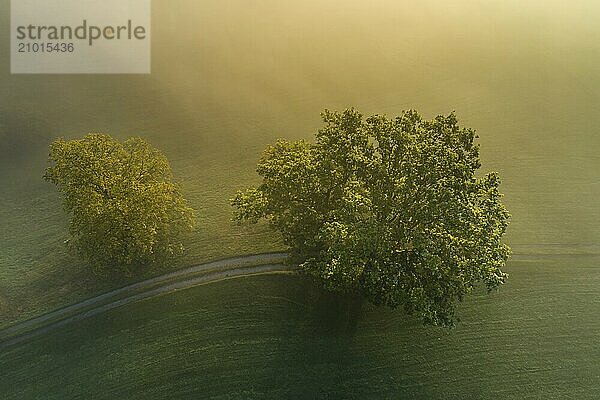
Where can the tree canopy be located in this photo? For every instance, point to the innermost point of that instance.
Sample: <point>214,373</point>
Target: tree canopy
<point>392,209</point>
<point>126,211</point>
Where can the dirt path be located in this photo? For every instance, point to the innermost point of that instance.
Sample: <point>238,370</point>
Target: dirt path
<point>182,279</point>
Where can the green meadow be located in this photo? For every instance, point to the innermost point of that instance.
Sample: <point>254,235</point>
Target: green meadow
<point>229,77</point>
<point>277,337</point>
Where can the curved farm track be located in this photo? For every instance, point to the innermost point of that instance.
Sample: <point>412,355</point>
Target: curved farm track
<point>182,279</point>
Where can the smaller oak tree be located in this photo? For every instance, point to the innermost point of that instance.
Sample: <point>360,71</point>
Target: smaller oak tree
<point>126,211</point>
<point>388,208</point>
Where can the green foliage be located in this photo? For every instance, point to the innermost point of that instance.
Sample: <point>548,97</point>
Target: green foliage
<point>126,211</point>
<point>388,208</point>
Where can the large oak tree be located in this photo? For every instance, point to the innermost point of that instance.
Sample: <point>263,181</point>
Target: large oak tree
<point>392,209</point>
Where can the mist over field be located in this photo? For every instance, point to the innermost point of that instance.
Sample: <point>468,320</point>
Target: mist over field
<point>229,77</point>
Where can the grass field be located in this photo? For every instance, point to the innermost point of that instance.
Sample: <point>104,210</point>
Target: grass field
<point>247,73</point>
<point>229,77</point>
<point>278,337</point>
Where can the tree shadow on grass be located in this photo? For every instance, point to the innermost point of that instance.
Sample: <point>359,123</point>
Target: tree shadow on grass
<point>338,347</point>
